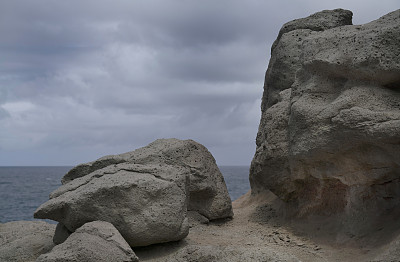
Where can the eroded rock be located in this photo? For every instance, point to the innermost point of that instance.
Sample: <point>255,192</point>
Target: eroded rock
<point>329,136</point>
<point>140,200</point>
<point>208,193</point>
<point>145,193</point>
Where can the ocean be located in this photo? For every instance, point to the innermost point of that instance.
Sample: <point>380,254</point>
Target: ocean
<point>23,189</point>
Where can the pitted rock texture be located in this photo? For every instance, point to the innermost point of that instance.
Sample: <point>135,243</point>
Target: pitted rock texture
<point>329,136</point>
<point>93,242</point>
<point>25,240</point>
<point>208,193</point>
<point>286,61</point>
<point>147,204</point>
<point>145,194</point>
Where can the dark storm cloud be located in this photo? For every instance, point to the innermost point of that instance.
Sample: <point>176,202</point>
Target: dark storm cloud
<point>80,79</point>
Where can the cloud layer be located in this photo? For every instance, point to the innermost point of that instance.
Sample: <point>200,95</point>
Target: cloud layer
<point>82,79</point>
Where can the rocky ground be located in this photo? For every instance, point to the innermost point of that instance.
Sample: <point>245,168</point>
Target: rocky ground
<point>258,233</point>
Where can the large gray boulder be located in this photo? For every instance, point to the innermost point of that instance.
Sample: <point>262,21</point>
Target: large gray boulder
<point>146,203</point>
<point>24,241</point>
<point>145,193</point>
<point>329,136</point>
<point>93,242</point>
<point>208,193</point>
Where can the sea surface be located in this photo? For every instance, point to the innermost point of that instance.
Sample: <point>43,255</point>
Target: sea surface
<point>23,189</point>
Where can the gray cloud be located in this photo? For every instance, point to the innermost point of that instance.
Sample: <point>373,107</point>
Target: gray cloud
<point>81,79</point>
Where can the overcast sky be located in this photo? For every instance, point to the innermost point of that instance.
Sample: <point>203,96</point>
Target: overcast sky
<point>83,79</point>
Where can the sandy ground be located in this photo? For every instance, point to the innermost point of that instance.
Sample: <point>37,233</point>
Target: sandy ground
<point>257,227</point>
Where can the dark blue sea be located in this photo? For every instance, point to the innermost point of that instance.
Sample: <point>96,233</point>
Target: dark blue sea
<point>23,189</point>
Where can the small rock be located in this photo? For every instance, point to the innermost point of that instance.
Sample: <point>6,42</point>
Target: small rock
<point>93,242</point>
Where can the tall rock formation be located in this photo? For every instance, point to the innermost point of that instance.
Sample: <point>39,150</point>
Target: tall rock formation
<point>329,137</point>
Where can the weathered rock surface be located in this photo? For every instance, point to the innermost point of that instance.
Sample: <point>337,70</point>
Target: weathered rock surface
<point>208,193</point>
<point>329,136</point>
<point>24,241</point>
<point>95,241</point>
<point>146,203</point>
<point>145,193</point>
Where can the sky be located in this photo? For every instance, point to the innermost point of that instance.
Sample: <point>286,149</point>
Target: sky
<point>83,79</point>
